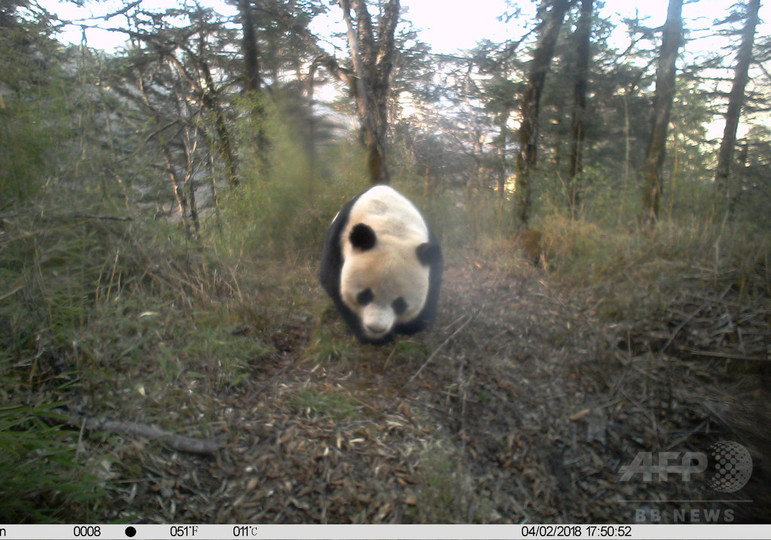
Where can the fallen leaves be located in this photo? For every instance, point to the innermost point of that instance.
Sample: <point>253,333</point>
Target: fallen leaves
<point>524,412</point>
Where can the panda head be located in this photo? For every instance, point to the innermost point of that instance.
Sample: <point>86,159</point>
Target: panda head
<point>385,282</point>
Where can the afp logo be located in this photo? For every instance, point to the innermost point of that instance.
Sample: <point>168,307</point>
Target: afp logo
<point>728,465</point>
<point>733,466</point>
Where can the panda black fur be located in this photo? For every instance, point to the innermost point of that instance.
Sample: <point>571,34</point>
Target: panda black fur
<point>382,265</point>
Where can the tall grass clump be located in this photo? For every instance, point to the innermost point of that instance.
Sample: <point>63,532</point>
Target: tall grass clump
<point>638,269</point>
<point>287,199</point>
<point>112,315</point>
<point>41,476</point>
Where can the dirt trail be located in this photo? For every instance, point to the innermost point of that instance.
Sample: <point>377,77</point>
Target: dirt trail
<point>525,411</point>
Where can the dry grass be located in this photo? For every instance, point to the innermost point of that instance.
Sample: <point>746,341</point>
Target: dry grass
<point>520,404</point>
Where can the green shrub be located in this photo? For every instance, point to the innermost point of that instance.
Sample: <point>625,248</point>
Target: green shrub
<point>41,477</point>
<point>285,207</point>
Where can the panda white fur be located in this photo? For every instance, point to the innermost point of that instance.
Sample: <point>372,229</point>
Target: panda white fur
<point>382,265</point>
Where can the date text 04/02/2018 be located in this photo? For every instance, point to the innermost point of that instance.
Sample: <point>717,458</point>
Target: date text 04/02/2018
<point>576,531</point>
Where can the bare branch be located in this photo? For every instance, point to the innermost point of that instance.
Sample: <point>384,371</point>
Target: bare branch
<point>182,443</point>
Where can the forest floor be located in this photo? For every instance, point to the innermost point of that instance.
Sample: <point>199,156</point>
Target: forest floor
<point>520,404</point>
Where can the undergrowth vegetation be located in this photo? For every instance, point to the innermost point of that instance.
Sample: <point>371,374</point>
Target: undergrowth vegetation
<point>280,208</point>
<point>635,270</point>
<point>168,355</point>
<point>107,311</point>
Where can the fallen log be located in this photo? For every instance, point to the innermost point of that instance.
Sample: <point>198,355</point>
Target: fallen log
<point>182,443</point>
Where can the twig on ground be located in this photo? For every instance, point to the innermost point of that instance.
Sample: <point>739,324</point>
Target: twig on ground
<point>181,443</point>
<point>102,218</point>
<point>441,346</point>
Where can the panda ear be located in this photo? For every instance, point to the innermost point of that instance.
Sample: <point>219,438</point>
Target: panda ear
<point>363,237</point>
<point>428,253</point>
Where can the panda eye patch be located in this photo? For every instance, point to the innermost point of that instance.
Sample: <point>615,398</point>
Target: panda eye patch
<point>365,297</point>
<point>399,306</point>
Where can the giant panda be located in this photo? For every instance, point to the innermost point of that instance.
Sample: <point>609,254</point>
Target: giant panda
<point>382,265</point>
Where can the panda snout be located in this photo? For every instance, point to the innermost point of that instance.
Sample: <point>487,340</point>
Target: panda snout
<point>378,323</point>
<point>377,329</point>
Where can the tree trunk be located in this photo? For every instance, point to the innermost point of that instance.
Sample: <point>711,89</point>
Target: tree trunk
<point>583,37</point>
<point>552,13</point>
<point>213,189</point>
<point>735,102</point>
<point>252,79</point>
<point>310,146</point>
<point>627,139</point>
<point>372,64</point>
<point>190,144</point>
<point>178,187</point>
<point>211,103</point>
<point>741,162</point>
<point>665,94</point>
<point>502,162</point>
